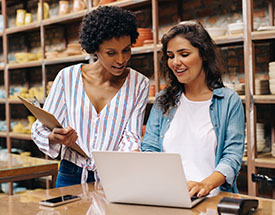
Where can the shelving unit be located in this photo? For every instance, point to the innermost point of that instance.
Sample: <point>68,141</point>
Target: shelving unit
<point>247,40</point>
<point>42,28</point>
<point>251,100</point>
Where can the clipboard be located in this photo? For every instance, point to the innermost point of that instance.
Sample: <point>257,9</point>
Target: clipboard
<point>48,120</point>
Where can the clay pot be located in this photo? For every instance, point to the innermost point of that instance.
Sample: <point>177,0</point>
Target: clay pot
<point>64,7</point>
<point>152,90</point>
<point>102,2</point>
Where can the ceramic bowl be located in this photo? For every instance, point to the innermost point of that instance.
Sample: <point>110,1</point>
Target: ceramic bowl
<point>236,28</point>
<point>216,31</point>
<point>272,82</point>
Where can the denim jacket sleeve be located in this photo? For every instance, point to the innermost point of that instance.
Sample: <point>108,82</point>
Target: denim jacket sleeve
<point>151,141</point>
<point>229,155</point>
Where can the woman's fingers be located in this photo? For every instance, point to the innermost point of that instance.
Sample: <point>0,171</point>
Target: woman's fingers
<point>197,188</point>
<point>66,136</point>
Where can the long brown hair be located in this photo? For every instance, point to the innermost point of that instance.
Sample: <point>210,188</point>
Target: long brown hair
<point>195,33</point>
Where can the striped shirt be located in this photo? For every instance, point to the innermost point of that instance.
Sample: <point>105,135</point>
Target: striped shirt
<point>117,127</point>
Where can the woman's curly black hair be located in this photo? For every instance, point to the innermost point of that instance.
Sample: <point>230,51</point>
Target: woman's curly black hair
<point>195,33</point>
<point>104,23</point>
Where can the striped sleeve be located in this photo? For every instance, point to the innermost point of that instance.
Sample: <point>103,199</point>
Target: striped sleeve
<point>131,138</point>
<point>54,104</point>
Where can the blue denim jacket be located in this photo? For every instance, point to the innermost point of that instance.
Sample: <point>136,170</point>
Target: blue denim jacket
<point>227,117</point>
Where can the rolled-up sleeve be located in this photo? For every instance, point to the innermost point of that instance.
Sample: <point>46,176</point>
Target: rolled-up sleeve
<point>231,158</point>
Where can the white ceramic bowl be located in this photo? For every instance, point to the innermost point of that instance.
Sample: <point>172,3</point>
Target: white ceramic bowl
<point>272,90</point>
<point>216,31</point>
<point>272,63</point>
<point>271,75</point>
<point>272,82</point>
<point>236,28</point>
<point>271,68</point>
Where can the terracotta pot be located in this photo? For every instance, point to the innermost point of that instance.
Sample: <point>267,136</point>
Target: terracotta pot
<point>152,90</point>
<point>105,2</point>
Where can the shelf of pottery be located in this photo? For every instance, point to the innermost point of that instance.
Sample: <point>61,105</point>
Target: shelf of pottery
<point>25,54</point>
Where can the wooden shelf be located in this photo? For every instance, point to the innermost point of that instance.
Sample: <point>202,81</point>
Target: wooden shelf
<point>24,65</point>
<point>1,34</point>
<point>263,35</point>
<point>14,101</point>
<point>145,49</point>
<point>74,58</point>
<point>32,26</point>
<point>2,101</point>
<point>17,101</point>
<point>151,99</point>
<point>2,68</point>
<point>3,134</point>
<point>127,3</point>
<point>265,160</point>
<point>20,136</point>
<point>65,18</point>
<point>228,39</point>
<point>264,99</point>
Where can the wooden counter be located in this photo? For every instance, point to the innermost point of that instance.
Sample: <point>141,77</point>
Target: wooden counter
<point>18,167</point>
<point>93,203</point>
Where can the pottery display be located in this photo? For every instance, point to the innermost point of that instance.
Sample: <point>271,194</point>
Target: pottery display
<point>271,74</point>
<point>64,7</point>
<point>216,31</point>
<point>79,5</point>
<point>144,34</point>
<point>20,17</point>
<point>46,11</point>
<point>236,28</point>
<point>28,18</point>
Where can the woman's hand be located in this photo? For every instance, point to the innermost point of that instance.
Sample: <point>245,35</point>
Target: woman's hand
<point>199,188</point>
<point>66,136</point>
<point>204,187</point>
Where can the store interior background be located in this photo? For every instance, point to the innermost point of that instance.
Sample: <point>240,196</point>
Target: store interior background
<point>210,12</point>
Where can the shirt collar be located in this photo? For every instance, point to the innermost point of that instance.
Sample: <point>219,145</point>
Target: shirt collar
<point>218,92</point>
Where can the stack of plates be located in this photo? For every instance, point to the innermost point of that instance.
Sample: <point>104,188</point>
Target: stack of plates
<point>272,77</point>
<point>260,137</point>
<point>273,149</point>
<point>240,88</point>
<point>261,87</point>
<point>261,142</point>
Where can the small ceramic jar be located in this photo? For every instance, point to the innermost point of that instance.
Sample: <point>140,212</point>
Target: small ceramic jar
<point>79,5</point>
<point>64,7</point>
<point>28,18</point>
<point>20,17</point>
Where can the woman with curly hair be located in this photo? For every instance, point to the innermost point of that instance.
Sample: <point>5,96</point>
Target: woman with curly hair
<point>196,116</point>
<point>100,105</point>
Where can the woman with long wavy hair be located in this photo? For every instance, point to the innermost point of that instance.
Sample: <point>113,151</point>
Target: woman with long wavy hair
<point>195,115</point>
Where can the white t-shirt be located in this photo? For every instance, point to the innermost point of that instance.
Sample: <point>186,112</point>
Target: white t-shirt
<point>191,134</point>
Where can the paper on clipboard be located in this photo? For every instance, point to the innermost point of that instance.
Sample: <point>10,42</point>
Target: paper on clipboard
<point>48,120</point>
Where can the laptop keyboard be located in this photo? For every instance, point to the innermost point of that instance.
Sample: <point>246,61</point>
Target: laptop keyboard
<point>194,198</point>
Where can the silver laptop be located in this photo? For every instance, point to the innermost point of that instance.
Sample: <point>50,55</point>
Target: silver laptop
<point>147,178</point>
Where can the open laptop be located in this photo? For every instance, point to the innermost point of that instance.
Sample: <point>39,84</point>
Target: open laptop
<point>147,178</point>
